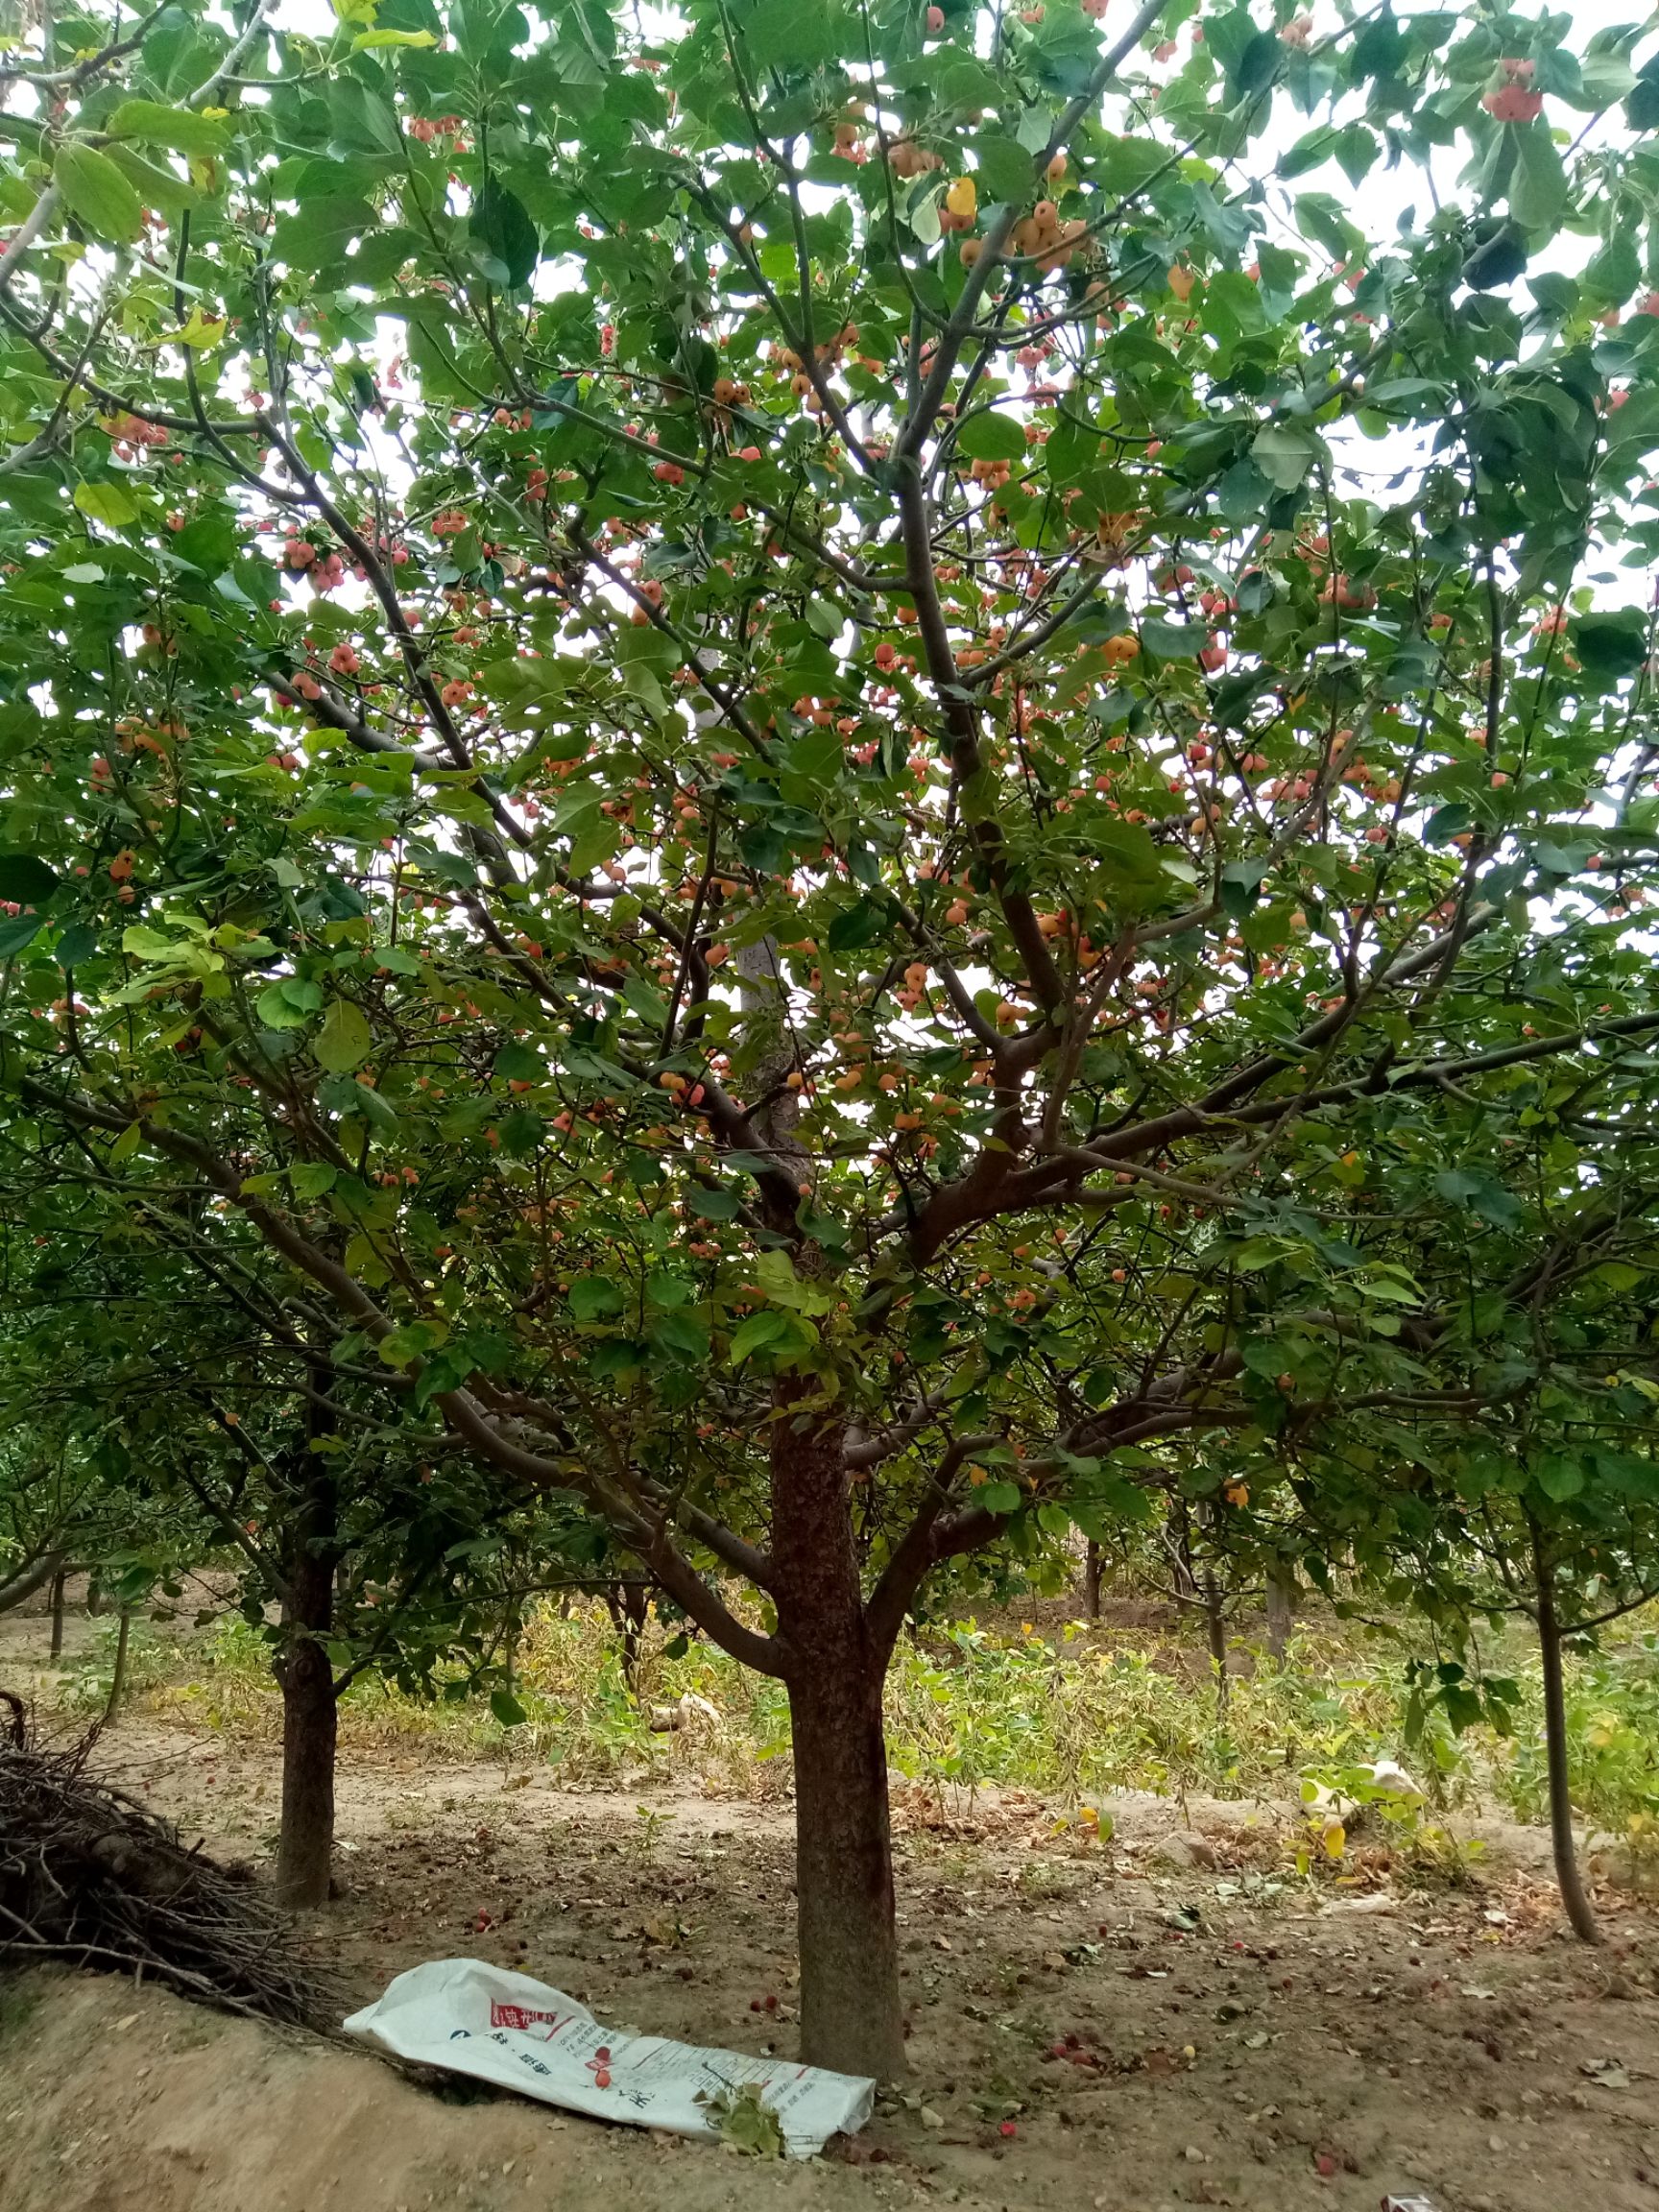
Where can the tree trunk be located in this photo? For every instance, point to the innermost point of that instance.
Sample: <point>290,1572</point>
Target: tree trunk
<point>629,1604</point>
<point>851,2016</point>
<point>1281,1607</point>
<point>1579,1912</point>
<point>310,1725</point>
<point>1215,1628</point>
<point>1092,1580</point>
<point>57,1650</point>
<point>118,1678</point>
<point>310,1708</point>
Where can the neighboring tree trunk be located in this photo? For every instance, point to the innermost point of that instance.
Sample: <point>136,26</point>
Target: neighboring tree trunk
<point>118,1679</point>
<point>1092,1580</point>
<point>851,2016</point>
<point>1178,1532</point>
<point>1579,1912</point>
<point>1215,1629</point>
<point>310,1708</point>
<point>1281,1607</point>
<point>629,1603</point>
<point>58,1581</point>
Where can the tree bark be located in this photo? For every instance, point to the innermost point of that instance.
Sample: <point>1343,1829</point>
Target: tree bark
<point>1281,1607</point>
<point>851,2016</point>
<point>1092,1580</point>
<point>310,1727</point>
<point>1215,1629</point>
<point>629,1604</point>
<point>310,1708</point>
<point>58,1581</point>
<point>118,1677</point>
<point>1579,1912</point>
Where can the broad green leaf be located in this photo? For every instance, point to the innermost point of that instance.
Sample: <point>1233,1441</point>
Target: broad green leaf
<point>988,436</point>
<point>594,1298</point>
<point>184,129</point>
<point>106,503</point>
<point>344,1040</point>
<point>98,192</point>
<point>26,880</point>
<point>1286,452</point>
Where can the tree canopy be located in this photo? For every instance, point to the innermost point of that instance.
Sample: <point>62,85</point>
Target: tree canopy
<point>846,769</point>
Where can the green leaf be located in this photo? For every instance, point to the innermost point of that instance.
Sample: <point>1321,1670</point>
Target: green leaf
<point>25,880</point>
<point>277,1010</point>
<point>1613,273</point>
<point>97,193</point>
<point>156,186</point>
<point>760,1329</point>
<point>1004,170</point>
<point>594,1298</point>
<point>367,40</point>
<point>1538,189</point>
<point>1610,646</point>
<point>856,927</point>
<point>987,436</point>
<point>18,930</point>
<point>502,226</point>
<point>182,130</point>
<point>1559,1477</point>
<point>507,1709</point>
<point>312,1178</point>
<point>998,1497</point>
<point>106,503</point>
<point>344,1040</point>
<point>1285,452</point>
<point>1172,641</point>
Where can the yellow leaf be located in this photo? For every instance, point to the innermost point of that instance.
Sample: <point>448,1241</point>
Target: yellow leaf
<point>1335,1838</point>
<point>1181,283</point>
<point>201,333</point>
<point>963,198</point>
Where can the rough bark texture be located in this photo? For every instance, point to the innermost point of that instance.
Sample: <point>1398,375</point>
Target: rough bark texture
<point>1280,1609</point>
<point>1579,1912</point>
<point>851,2016</point>
<point>1092,1580</point>
<point>310,1710</point>
<point>57,1650</point>
<point>629,1603</point>
<point>118,1678</point>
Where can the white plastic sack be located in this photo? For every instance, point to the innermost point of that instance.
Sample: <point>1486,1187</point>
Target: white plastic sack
<point>503,2027</point>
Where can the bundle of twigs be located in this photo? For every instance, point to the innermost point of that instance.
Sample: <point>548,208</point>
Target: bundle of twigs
<point>90,1877</point>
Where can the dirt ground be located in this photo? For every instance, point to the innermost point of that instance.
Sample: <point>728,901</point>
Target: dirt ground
<point>1169,2019</point>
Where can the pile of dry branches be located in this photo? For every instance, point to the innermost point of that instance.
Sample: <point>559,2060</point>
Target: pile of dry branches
<point>90,1877</point>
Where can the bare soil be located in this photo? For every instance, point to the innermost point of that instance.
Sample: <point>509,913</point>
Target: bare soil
<point>1226,2034</point>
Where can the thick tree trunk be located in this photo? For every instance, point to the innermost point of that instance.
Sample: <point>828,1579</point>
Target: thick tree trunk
<point>1092,1580</point>
<point>310,1725</point>
<point>311,1709</point>
<point>1281,1607</point>
<point>851,2016</point>
<point>57,1648</point>
<point>1579,1912</point>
